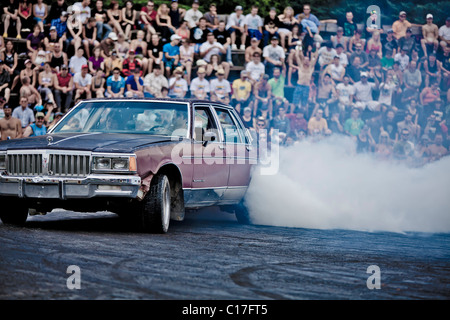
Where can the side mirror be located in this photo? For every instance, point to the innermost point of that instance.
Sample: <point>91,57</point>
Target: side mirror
<point>209,136</point>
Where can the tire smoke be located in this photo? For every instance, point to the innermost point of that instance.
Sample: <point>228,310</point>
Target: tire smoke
<point>327,185</point>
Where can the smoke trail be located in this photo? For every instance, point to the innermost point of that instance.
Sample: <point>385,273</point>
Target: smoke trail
<point>326,185</point>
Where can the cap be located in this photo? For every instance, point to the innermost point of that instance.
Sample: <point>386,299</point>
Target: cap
<point>273,9</point>
<point>113,36</point>
<point>59,114</point>
<point>390,31</point>
<point>429,16</point>
<point>266,77</point>
<point>175,37</point>
<point>238,8</point>
<point>52,28</point>
<point>40,114</point>
<point>275,37</point>
<point>246,109</point>
<point>201,62</point>
<point>402,13</point>
<point>196,1</point>
<point>409,30</point>
<point>178,70</point>
<point>340,29</point>
<point>64,67</point>
<point>336,57</point>
<point>84,66</point>
<point>38,108</point>
<point>364,74</point>
<point>27,61</point>
<point>131,52</point>
<point>201,70</point>
<point>254,39</point>
<point>64,13</point>
<point>41,53</point>
<point>244,73</point>
<point>220,71</point>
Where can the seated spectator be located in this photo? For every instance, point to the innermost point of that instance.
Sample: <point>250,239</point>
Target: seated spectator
<point>83,81</point>
<point>248,119</point>
<point>250,50</point>
<point>28,72</point>
<point>223,37</point>
<point>374,65</point>
<point>253,24</point>
<point>363,93</point>
<point>155,53</point>
<point>444,34</point>
<point>326,55</point>
<point>340,39</point>
<point>430,94</point>
<point>113,62</point>
<point>220,87</point>
<point>354,124</point>
<point>199,35</point>
<point>46,82</point>
<point>40,13</point>
<point>64,89</point>
<point>335,125</point>
<point>430,33</point>
<point>317,123</point>
<point>77,61</point>
<point>262,101</point>
<point>10,127</point>
<point>345,92</point>
<point>134,84</point>
<point>212,47</point>
<point>364,141</point>
<point>374,44</point>
<point>36,129</point>
<point>115,85</point>
<point>242,89</point>
<point>115,17</point>
<point>148,19</point>
<point>129,15</point>
<point>298,123</point>
<point>171,56</point>
<point>387,62</point>
<point>235,25</point>
<point>287,21</point>
<point>273,56</point>
<point>432,68</point>
<point>389,125</point>
<point>271,25</point>
<point>335,70</point>
<point>194,15</point>
<point>187,58</point>
<point>436,150</point>
<point>89,36</point>
<point>401,26</point>
<point>177,15</point>
<point>102,19</point>
<point>154,82</point>
<point>354,41</point>
<point>140,48</point>
<point>96,61</point>
<point>10,59</point>
<point>408,42</point>
<point>212,21</point>
<point>61,24</point>
<point>74,32</point>
<point>387,90</point>
<point>50,41</point>
<point>326,95</point>
<point>178,86</point>
<point>343,58</point>
<point>362,55</point>
<point>130,64</point>
<point>310,23</point>
<point>10,12</point>
<point>354,70</point>
<point>25,12</point>
<point>277,84</point>
<point>34,39</point>
<point>98,83</point>
<point>348,25</point>
<point>24,113</point>
<point>281,122</point>
<point>200,88</point>
<point>383,149</point>
<point>183,31</point>
<point>403,148</point>
<point>30,92</point>
<point>413,129</point>
<point>164,23</point>
<point>255,68</point>
<point>390,44</point>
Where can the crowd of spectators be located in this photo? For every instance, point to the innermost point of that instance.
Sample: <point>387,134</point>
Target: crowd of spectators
<point>387,89</point>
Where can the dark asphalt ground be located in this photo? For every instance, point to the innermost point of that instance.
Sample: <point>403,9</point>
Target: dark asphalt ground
<point>210,256</point>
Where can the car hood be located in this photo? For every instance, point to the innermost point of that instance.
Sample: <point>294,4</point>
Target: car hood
<point>96,142</point>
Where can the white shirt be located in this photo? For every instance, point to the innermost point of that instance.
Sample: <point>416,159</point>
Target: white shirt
<point>154,84</point>
<point>345,91</point>
<point>386,91</point>
<point>192,17</point>
<point>255,70</point>
<point>343,60</point>
<point>336,72</point>
<point>179,89</point>
<point>274,53</point>
<point>76,63</point>
<point>220,88</point>
<point>205,47</point>
<point>403,60</point>
<point>364,91</point>
<point>253,22</point>
<point>86,81</point>
<point>444,32</point>
<point>234,20</point>
<point>83,12</point>
<point>325,56</point>
<point>198,84</point>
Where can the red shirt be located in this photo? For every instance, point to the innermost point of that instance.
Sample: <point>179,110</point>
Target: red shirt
<point>152,15</point>
<point>64,81</point>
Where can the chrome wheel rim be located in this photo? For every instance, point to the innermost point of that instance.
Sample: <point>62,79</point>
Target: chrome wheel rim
<point>166,209</point>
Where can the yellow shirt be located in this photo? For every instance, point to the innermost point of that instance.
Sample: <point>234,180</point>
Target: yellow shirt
<point>241,88</point>
<point>315,124</point>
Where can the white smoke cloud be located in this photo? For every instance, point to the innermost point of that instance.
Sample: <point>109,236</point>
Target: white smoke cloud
<point>326,185</point>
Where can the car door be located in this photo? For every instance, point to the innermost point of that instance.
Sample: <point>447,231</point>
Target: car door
<point>239,153</point>
<point>210,173</point>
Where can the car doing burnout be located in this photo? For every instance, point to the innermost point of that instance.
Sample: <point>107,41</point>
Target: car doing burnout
<point>148,160</point>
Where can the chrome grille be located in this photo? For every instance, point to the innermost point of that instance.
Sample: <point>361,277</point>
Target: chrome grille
<point>25,164</point>
<point>66,165</point>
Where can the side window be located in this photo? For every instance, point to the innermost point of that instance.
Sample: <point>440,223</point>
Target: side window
<point>203,122</point>
<point>231,130</point>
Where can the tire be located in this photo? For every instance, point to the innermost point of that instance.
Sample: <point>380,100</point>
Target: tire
<point>242,214</point>
<point>13,212</point>
<point>154,211</point>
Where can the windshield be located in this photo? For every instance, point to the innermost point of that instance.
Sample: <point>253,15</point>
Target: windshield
<point>136,117</point>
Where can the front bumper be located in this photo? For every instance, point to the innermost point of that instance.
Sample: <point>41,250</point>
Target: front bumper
<point>92,186</point>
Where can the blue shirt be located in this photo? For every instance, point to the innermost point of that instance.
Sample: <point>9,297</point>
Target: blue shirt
<point>171,50</point>
<point>132,82</point>
<point>115,85</point>
<point>26,116</point>
<point>38,131</point>
<point>61,27</point>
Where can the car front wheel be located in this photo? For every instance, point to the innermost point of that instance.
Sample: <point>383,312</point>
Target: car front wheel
<point>13,212</point>
<point>154,212</point>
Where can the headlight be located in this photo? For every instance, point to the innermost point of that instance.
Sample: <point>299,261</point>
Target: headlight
<point>114,163</point>
<point>2,161</point>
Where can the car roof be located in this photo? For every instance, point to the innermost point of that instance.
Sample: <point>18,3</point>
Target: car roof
<point>189,100</point>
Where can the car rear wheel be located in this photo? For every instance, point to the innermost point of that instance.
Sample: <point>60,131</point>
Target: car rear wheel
<point>154,214</point>
<point>241,213</point>
<point>13,212</point>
